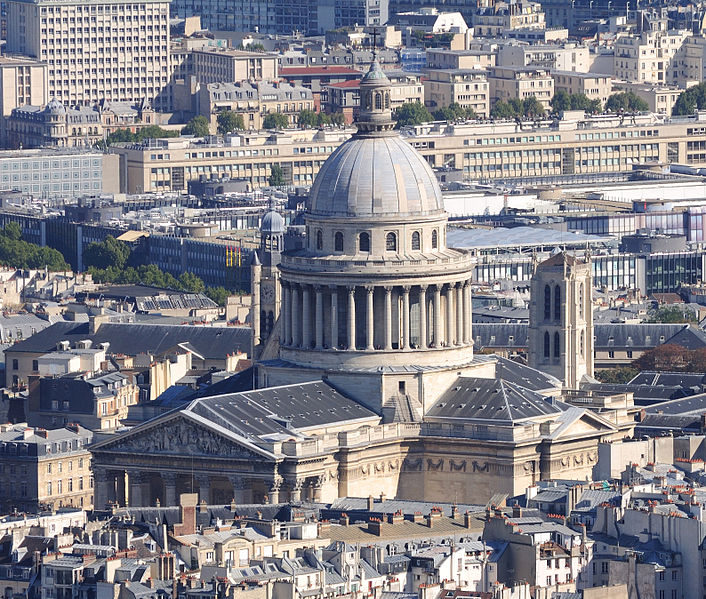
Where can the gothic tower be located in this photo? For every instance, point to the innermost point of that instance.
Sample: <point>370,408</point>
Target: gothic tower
<point>561,319</point>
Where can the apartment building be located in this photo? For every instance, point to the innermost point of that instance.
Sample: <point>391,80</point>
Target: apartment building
<point>22,81</point>
<point>650,57</point>
<point>441,58</point>
<point>116,50</point>
<point>492,21</point>
<point>693,67</point>
<point>253,101</point>
<point>660,98</point>
<point>520,82</point>
<point>592,85</point>
<point>212,65</point>
<point>567,57</point>
<point>468,88</point>
<point>170,164</point>
<point>45,469</point>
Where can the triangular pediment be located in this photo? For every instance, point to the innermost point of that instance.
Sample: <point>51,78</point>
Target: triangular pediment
<point>577,423</point>
<point>180,435</point>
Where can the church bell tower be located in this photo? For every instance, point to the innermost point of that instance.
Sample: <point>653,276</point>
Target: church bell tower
<point>561,319</point>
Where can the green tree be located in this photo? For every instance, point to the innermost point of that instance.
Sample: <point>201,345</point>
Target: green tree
<point>454,112</point>
<point>338,119</point>
<point>229,121</point>
<point>198,127</point>
<point>691,100</point>
<point>625,102</point>
<point>308,118</point>
<point>275,120</point>
<point>561,101</point>
<point>276,176</point>
<point>532,108</point>
<point>218,295</point>
<point>191,283</point>
<point>503,110</point>
<point>411,113</point>
<point>12,231</point>
<point>104,254</point>
<point>617,376</point>
<point>671,314</point>
<point>154,132</point>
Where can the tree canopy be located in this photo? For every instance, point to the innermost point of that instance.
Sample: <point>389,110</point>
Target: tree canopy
<point>229,121</point>
<point>411,113</point>
<point>198,127</point>
<point>275,120</point>
<point>625,102</point>
<point>530,107</point>
<point>16,253</point>
<point>672,314</point>
<point>309,119</point>
<point>107,253</point>
<point>564,101</point>
<point>691,100</point>
<point>276,176</point>
<point>149,132</point>
<point>454,112</point>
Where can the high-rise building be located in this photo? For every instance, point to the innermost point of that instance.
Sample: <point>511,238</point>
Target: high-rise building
<point>561,319</point>
<point>23,81</point>
<point>114,50</point>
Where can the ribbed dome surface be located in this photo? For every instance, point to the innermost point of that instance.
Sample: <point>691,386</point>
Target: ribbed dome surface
<point>368,176</point>
<point>272,222</point>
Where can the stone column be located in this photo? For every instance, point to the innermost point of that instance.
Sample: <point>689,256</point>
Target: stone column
<point>169,480</point>
<point>450,313</point>
<point>334,316</point>
<point>287,316</point>
<point>275,487</point>
<point>203,487</point>
<point>319,318</point>
<point>316,484</point>
<point>136,491</point>
<point>388,318</point>
<point>369,319</point>
<point>423,316</point>
<point>467,335</point>
<point>295,311</point>
<point>295,492</point>
<point>351,318</point>
<point>437,316</point>
<point>405,316</point>
<point>306,317</point>
<point>241,489</point>
<point>100,487</point>
<point>460,302</point>
<point>121,488</point>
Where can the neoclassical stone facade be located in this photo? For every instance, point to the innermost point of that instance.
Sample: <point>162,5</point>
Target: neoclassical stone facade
<point>368,382</point>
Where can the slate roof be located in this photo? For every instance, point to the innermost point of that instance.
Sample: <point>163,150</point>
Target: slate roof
<point>690,337</point>
<point>642,394</point>
<point>696,404</point>
<point>132,339</point>
<point>524,376</point>
<point>490,399</point>
<point>264,411</point>
<point>677,379</point>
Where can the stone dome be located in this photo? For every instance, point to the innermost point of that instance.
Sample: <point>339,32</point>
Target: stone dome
<point>369,176</point>
<point>272,222</point>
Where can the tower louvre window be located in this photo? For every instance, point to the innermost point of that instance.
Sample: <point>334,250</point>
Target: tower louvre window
<point>547,302</point>
<point>546,345</point>
<point>557,347</point>
<point>557,303</point>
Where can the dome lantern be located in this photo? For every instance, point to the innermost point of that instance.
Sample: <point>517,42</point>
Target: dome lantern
<point>375,113</point>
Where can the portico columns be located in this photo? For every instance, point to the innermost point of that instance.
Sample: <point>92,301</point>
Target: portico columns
<point>388,318</point>
<point>294,312</point>
<point>369,319</point>
<point>423,316</point>
<point>169,480</point>
<point>405,316</point>
<point>319,318</point>
<point>351,318</point>
<point>437,316</point>
<point>460,301</point>
<point>287,333</point>
<point>306,317</point>
<point>100,487</point>
<point>450,296</point>
<point>467,312</point>
<point>334,316</point>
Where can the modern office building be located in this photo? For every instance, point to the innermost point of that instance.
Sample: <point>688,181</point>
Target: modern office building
<point>46,173</point>
<point>22,81</point>
<point>115,50</point>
